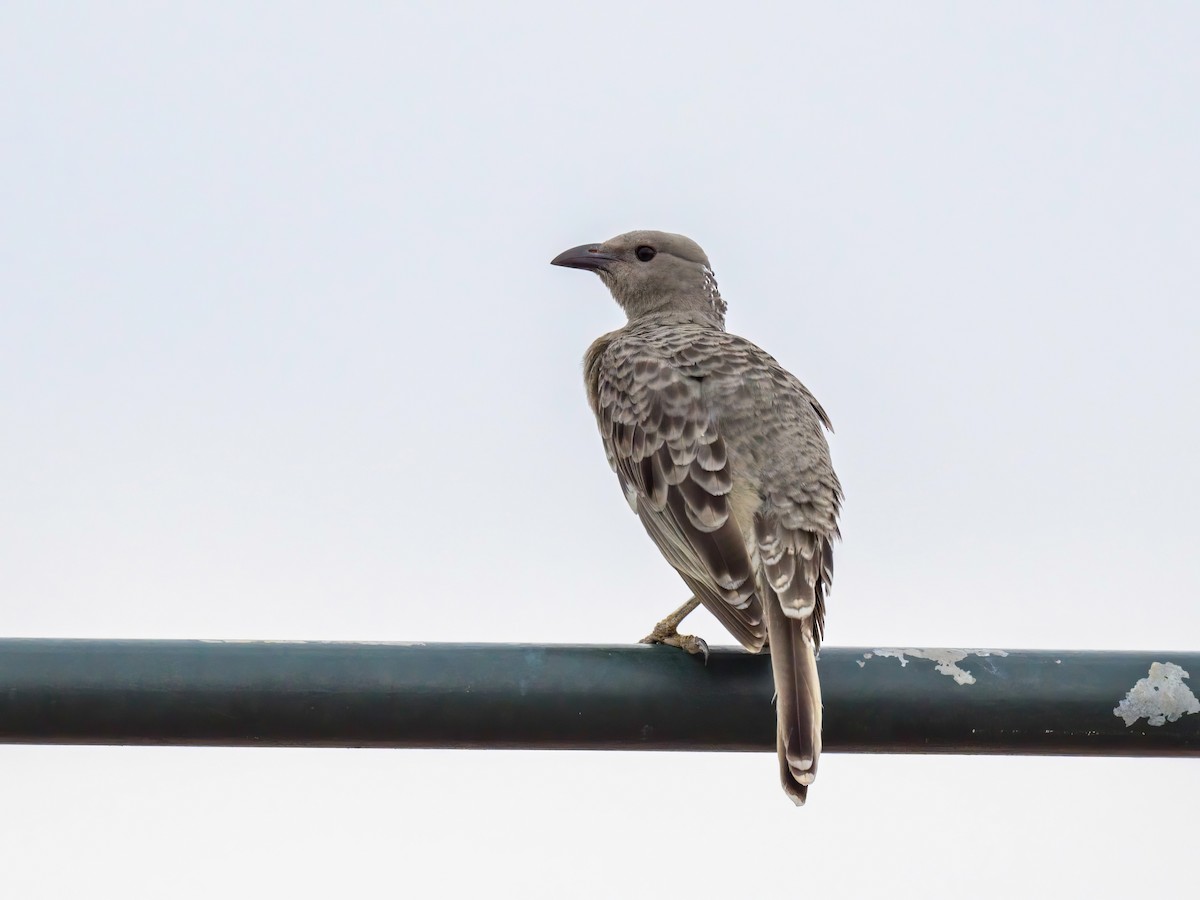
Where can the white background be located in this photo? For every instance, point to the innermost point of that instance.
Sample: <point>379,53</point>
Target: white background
<point>281,356</point>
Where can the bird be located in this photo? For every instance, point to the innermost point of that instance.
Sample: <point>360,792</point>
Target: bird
<point>722,454</point>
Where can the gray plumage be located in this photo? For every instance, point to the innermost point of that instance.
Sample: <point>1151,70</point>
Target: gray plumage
<point>722,455</point>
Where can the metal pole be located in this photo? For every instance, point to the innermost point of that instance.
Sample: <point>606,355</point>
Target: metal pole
<point>877,700</point>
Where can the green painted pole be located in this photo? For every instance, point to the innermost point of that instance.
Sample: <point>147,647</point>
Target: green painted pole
<point>877,700</point>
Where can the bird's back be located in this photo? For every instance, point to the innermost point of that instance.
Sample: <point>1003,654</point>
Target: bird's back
<point>772,425</point>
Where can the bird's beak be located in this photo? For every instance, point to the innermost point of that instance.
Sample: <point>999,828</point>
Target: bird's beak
<point>585,256</point>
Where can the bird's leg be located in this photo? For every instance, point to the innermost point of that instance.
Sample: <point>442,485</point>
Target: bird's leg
<point>666,631</point>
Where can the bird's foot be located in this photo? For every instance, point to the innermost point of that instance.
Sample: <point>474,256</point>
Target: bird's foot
<point>664,633</point>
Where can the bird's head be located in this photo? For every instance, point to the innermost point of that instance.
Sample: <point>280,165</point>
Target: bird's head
<point>652,272</point>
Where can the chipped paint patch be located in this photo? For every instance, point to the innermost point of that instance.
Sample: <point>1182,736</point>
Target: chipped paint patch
<point>945,661</point>
<point>1160,697</point>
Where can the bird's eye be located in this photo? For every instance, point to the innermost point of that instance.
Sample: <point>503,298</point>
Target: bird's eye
<point>645,254</point>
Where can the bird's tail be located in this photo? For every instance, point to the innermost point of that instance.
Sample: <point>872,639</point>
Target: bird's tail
<point>797,698</point>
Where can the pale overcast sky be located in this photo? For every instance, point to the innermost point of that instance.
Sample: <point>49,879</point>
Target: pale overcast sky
<point>281,356</point>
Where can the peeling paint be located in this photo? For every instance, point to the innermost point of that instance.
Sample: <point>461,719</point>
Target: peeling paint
<point>1160,697</point>
<point>945,661</point>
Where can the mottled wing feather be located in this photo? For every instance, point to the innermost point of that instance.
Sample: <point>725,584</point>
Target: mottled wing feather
<point>797,568</point>
<point>668,453</point>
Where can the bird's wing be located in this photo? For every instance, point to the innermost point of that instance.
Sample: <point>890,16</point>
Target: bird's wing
<point>797,565</point>
<point>671,459</point>
<point>797,525</point>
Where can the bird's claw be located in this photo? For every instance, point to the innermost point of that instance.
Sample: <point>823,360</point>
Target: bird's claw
<point>672,638</point>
